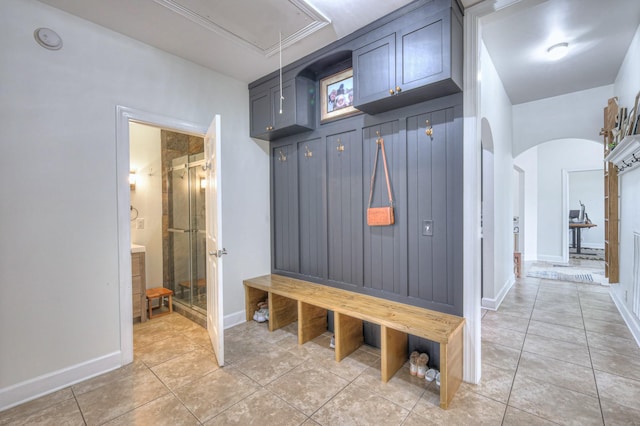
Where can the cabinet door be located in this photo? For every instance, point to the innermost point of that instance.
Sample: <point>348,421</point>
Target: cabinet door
<point>385,247</point>
<point>261,115</point>
<point>374,70</point>
<point>434,170</point>
<point>312,208</point>
<point>423,53</point>
<point>285,208</point>
<point>288,115</point>
<point>345,208</point>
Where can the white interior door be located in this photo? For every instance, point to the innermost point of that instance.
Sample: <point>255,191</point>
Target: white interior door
<point>215,250</point>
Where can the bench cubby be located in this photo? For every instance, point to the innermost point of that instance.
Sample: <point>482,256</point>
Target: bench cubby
<point>308,303</point>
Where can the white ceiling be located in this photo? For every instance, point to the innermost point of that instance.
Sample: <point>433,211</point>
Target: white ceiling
<point>240,38</point>
<point>234,37</point>
<point>598,32</point>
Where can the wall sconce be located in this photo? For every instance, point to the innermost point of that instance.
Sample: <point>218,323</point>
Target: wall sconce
<point>132,180</point>
<point>203,183</point>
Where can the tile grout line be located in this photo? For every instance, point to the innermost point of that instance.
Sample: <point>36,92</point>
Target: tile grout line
<point>78,405</point>
<point>174,395</point>
<point>519,357</point>
<point>516,372</point>
<point>593,370</point>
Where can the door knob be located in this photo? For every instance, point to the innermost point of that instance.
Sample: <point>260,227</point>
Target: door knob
<point>218,253</point>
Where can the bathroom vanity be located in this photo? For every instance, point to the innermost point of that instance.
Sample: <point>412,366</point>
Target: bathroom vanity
<point>138,282</point>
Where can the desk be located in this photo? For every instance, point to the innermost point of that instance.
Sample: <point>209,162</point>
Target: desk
<point>575,230</point>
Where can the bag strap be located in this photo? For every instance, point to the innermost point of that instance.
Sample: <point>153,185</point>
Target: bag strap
<point>380,146</point>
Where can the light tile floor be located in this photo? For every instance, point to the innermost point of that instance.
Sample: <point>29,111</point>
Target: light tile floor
<point>554,353</point>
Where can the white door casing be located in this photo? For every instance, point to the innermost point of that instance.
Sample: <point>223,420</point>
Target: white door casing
<point>215,250</point>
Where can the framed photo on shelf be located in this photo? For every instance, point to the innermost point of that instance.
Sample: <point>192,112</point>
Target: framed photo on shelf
<point>336,96</point>
<point>635,117</point>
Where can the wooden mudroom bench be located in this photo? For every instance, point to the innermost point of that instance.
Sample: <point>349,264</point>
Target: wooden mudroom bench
<point>292,300</point>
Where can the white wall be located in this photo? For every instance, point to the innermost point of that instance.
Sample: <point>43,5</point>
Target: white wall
<point>518,208</point>
<point>488,248</point>
<point>627,82</point>
<point>528,162</point>
<point>145,159</point>
<point>553,158</point>
<point>59,299</point>
<point>577,115</point>
<point>588,187</point>
<point>496,109</point>
<point>627,86</point>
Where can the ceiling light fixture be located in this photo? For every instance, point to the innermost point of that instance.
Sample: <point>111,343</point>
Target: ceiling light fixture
<point>558,51</point>
<point>48,38</point>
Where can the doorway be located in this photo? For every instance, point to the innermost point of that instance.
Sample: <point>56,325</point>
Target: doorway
<point>213,200</point>
<point>583,191</point>
<point>168,214</point>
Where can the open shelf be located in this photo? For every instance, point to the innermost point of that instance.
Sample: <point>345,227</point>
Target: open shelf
<point>626,154</point>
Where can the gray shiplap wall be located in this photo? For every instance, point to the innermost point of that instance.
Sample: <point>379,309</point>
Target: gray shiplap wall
<point>319,208</point>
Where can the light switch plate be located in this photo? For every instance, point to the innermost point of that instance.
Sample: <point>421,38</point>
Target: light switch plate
<point>427,228</point>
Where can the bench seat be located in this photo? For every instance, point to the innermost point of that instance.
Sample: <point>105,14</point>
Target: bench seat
<point>293,300</point>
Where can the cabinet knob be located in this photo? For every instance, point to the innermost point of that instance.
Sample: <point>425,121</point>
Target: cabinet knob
<point>398,89</point>
<point>269,128</point>
<point>391,92</point>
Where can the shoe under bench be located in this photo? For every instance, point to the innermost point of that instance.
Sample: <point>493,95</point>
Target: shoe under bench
<point>293,300</point>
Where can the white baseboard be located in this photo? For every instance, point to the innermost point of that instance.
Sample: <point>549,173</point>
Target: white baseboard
<point>34,388</point>
<point>545,258</point>
<point>631,320</point>
<point>494,304</point>
<point>234,319</point>
<point>593,246</point>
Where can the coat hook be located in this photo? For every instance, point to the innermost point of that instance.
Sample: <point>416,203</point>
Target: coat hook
<point>308,153</point>
<point>429,130</point>
<point>340,147</point>
<point>282,156</point>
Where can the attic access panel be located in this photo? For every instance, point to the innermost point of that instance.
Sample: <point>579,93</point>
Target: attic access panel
<point>255,24</point>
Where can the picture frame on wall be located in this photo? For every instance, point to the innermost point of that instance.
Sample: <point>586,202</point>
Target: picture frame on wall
<point>336,96</point>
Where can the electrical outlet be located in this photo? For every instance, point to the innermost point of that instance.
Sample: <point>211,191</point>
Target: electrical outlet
<point>140,223</point>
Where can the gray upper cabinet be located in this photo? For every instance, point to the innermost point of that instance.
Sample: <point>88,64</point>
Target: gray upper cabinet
<point>269,121</point>
<point>415,62</point>
<point>374,70</point>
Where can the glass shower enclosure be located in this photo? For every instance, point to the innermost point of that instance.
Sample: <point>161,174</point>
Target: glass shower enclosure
<point>187,236</point>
